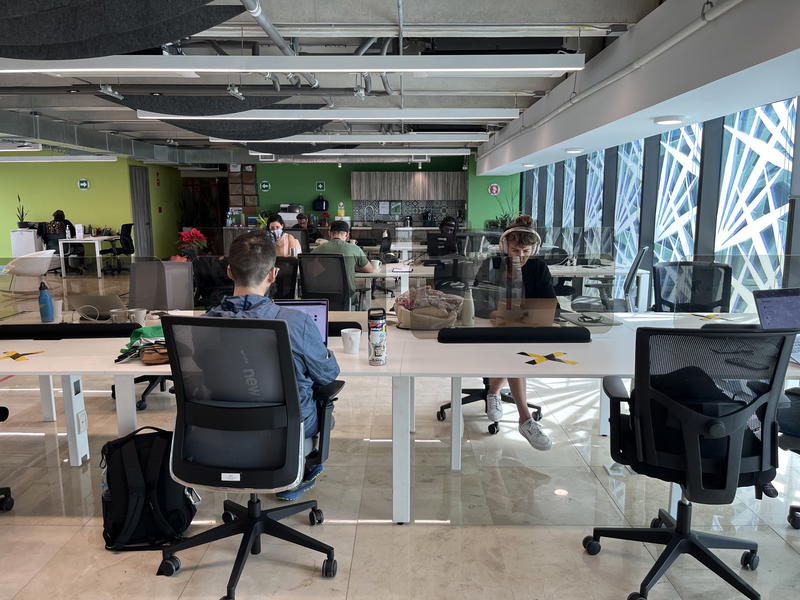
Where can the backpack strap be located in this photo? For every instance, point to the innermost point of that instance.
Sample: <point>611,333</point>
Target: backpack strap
<point>152,474</point>
<point>136,493</point>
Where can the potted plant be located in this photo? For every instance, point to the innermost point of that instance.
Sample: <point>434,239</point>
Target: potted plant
<point>21,214</point>
<point>189,244</point>
<point>507,210</point>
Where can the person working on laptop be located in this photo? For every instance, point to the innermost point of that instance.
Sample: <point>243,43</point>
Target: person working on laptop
<point>521,242</point>
<point>304,223</point>
<point>251,266</point>
<point>354,257</point>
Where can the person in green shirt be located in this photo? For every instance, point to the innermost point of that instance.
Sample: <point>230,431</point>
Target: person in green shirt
<point>354,257</point>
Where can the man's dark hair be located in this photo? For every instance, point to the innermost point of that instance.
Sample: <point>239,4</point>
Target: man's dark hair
<point>340,227</point>
<point>250,258</point>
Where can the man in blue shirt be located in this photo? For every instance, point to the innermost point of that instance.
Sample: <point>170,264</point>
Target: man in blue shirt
<point>251,266</point>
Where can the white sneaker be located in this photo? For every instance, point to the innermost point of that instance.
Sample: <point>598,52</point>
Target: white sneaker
<point>537,438</point>
<point>494,407</point>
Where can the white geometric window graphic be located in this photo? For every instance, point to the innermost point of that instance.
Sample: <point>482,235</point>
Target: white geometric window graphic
<point>568,213</point>
<point>594,201</point>
<point>626,213</point>
<point>549,204</point>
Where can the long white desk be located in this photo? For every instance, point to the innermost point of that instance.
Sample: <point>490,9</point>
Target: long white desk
<point>95,241</point>
<point>596,271</point>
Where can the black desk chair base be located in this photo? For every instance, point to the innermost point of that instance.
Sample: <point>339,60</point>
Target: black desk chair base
<point>6,501</point>
<point>479,394</point>
<point>794,517</point>
<point>678,537</point>
<point>152,382</point>
<point>252,523</point>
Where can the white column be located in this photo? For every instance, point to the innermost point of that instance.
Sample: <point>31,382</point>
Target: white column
<point>126,403</point>
<point>76,418</point>
<point>457,423</point>
<point>401,450</point>
<point>47,397</point>
<point>412,406</point>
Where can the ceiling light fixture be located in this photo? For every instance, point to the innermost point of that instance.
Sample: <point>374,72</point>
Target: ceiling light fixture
<point>106,90</point>
<point>233,90</point>
<point>574,150</point>
<point>669,120</point>
<point>529,165</point>
<point>377,115</point>
<point>339,165</point>
<point>419,166</point>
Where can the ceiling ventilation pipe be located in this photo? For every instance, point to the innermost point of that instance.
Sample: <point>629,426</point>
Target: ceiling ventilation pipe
<point>254,8</point>
<point>366,77</point>
<point>384,78</point>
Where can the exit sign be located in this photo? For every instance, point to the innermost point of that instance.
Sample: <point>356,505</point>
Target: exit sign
<point>83,184</point>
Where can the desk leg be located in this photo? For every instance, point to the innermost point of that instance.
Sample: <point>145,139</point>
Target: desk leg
<point>644,292</point>
<point>412,405</point>
<point>97,260</point>
<point>457,423</point>
<point>401,449</point>
<point>126,403</point>
<point>605,412</point>
<point>47,397</point>
<point>76,418</point>
<point>61,258</point>
<point>404,282</point>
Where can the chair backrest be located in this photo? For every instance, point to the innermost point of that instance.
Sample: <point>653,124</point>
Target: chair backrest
<point>301,235</point>
<point>51,241</point>
<point>630,278</point>
<point>161,285</point>
<point>703,409</point>
<point>211,281</point>
<point>126,239</point>
<point>323,276</point>
<point>687,286</point>
<point>35,264</point>
<point>453,276</point>
<point>285,286</point>
<point>238,422</point>
<point>386,244</point>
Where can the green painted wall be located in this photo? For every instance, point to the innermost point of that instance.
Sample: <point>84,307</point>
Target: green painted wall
<point>165,195</point>
<point>296,183</point>
<point>481,205</point>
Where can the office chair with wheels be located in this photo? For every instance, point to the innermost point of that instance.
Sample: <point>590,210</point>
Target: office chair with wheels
<point>703,415</point>
<point>386,257</point>
<point>125,248</point>
<point>324,277</point>
<point>606,302</point>
<point>789,424</point>
<point>6,501</point>
<point>211,281</point>
<point>239,428</point>
<point>285,286</point>
<point>692,286</point>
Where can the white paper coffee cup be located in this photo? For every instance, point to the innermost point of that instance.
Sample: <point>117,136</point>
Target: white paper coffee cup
<point>351,340</point>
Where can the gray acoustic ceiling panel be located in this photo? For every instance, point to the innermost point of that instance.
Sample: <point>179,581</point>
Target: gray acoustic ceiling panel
<point>247,130</point>
<point>200,105</point>
<point>88,20</point>
<point>293,149</point>
<point>109,42</point>
<point>16,8</point>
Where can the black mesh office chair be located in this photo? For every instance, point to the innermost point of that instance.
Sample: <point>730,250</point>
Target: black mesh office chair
<point>6,501</point>
<point>386,257</point>
<point>687,286</point>
<point>239,428</point>
<point>789,424</point>
<point>696,395</point>
<point>285,286</point>
<point>125,248</point>
<point>323,277</point>
<point>605,287</point>
<point>211,281</point>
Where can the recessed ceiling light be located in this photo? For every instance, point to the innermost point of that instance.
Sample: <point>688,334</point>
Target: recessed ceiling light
<point>155,93</point>
<point>574,150</point>
<point>668,120</point>
<point>528,165</point>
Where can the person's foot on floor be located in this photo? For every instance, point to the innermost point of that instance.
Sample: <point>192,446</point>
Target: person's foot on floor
<point>537,438</point>
<point>308,482</point>
<point>494,407</point>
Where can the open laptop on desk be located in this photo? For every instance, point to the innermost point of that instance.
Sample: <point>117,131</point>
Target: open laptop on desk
<point>780,309</point>
<point>94,308</point>
<point>316,309</point>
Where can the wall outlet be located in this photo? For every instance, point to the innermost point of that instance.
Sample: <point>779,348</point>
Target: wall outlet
<point>82,421</point>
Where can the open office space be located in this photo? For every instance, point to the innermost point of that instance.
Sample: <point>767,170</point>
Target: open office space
<point>585,198</point>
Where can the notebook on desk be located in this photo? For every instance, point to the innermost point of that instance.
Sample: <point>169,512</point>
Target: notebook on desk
<point>780,309</point>
<point>316,309</point>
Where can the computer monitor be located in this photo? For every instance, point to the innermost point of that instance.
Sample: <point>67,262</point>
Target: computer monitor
<point>778,309</point>
<point>316,309</point>
<point>440,244</point>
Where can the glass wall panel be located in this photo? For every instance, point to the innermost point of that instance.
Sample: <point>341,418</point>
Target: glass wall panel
<point>758,146</point>
<point>534,175</point>
<point>568,213</point>
<point>549,207</point>
<point>626,213</point>
<point>676,209</point>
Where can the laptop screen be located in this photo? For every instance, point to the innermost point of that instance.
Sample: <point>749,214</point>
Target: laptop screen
<point>778,309</point>
<point>316,309</point>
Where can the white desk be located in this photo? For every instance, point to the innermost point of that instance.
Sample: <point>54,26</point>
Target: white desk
<point>591,271</point>
<point>96,241</point>
<point>385,272</point>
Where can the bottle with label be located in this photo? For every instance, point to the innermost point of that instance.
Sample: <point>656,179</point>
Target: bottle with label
<point>376,325</point>
<point>45,304</point>
<point>468,309</point>
<point>340,209</point>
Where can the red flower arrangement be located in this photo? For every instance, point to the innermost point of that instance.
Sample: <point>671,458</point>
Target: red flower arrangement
<point>326,215</point>
<point>192,240</point>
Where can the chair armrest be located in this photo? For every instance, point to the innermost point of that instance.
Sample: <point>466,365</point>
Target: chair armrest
<point>327,393</point>
<point>615,390</point>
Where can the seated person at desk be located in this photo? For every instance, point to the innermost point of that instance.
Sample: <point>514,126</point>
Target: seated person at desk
<point>251,266</point>
<point>444,242</point>
<point>304,223</point>
<point>285,245</point>
<point>57,230</point>
<point>354,257</point>
<point>521,241</point>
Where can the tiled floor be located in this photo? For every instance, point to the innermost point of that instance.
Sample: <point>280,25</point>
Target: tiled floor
<point>509,525</point>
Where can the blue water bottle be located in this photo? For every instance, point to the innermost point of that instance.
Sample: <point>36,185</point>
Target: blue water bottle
<point>45,304</point>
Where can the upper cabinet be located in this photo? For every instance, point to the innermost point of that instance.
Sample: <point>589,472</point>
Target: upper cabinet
<point>408,185</point>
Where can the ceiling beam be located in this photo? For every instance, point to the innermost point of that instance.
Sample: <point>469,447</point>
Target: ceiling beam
<point>370,138</point>
<point>411,115</point>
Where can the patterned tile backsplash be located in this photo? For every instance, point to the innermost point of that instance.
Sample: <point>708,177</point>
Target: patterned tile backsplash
<point>367,210</point>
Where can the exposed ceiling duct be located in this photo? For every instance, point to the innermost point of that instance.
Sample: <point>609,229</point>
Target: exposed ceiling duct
<point>292,149</point>
<point>200,105</point>
<point>247,130</point>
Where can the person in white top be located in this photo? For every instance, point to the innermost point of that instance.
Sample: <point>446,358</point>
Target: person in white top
<point>285,244</point>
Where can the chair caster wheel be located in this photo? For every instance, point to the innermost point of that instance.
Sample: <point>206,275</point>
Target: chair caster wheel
<point>169,566</point>
<point>315,517</point>
<point>329,567</point>
<point>749,560</point>
<point>537,416</point>
<point>494,428</point>
<point>794,520</point>
<point>656,523</point>
<point>636,596</point>
<point>228,517</point>
<point>113,392</point>
<point>441,415</point>
<point>6,504</point>
<point>591,545</point>
<point>141,405</point>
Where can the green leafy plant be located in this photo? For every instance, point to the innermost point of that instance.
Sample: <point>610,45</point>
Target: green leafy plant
<point>508,208</point>
<point>21,212</point>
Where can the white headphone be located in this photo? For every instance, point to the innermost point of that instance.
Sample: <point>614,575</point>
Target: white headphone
<point>503,244</point>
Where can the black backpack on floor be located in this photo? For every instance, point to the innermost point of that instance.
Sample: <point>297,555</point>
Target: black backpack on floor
<point>143,507</point>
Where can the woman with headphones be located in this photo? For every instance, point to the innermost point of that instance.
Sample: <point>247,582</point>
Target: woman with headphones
<point>522,242</point>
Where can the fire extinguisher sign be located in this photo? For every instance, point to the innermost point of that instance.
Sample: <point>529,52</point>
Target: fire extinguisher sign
<point>494,189</point>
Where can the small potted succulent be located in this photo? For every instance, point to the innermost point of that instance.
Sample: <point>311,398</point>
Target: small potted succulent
<point>189,244</point>
<point>21,214</point>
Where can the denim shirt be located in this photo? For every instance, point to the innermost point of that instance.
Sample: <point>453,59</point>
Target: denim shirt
<point>313,364</point>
